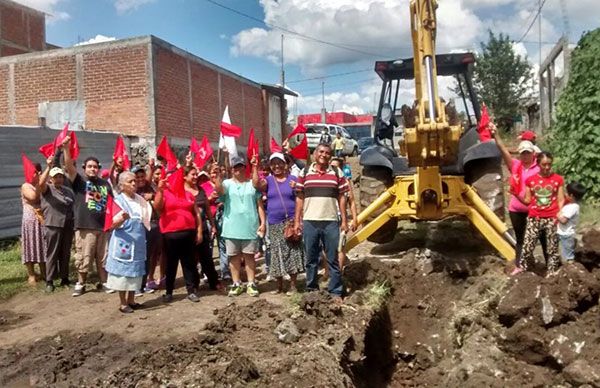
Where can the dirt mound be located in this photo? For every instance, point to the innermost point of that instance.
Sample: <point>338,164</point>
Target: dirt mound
<point>420,318</point>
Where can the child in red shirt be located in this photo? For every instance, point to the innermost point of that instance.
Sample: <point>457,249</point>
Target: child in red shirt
<point>545,196</point>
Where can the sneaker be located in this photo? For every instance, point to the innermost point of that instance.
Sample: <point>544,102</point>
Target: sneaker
<point>49,287</point>
<point>252,290</point>
<point>269,278</point>
<point>236,290</point>
<point>149,290</point>
<point>106,289</point>
<point>516,271</point>
<point>167,298</point>
<point>152,285</point>
<point>78,290</point>
<point>65,283</point>
<point>138,293</point>
<point>203,280</point>
<point>193,298</point>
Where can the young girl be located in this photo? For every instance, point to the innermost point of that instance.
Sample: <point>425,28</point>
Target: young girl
<point>545,196</point>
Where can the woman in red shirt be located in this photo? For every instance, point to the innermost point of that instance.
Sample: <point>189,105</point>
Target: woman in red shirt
<point>181,227</point>
<point>545,196</point>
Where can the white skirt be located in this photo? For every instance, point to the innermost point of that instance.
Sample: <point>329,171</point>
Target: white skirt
<point>123,283</point>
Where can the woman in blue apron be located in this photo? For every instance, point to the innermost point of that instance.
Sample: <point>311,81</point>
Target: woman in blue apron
<point>126,259</point>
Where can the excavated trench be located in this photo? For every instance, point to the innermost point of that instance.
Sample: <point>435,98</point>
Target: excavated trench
<point>432,315</point>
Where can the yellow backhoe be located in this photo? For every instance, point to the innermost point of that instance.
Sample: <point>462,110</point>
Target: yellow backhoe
<point>439,162</point>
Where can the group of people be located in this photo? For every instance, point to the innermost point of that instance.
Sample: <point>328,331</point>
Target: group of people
<point>146,219</point>
<point>540,208</point>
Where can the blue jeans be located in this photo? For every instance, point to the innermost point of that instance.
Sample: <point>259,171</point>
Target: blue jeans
<point>339,153</point>
<point>567,247</point>
<point>325,234</point>
<point>223,260</point>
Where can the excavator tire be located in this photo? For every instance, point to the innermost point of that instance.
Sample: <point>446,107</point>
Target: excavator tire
<point>373,182</point>
<point>486,178</point>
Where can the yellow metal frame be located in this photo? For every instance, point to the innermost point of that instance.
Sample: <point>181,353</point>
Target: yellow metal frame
<point>415,197</point>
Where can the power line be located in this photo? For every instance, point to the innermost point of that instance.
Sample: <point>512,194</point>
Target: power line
<point>274,26</point>
<point>340,85</point>
<point>329,76</point>
<point>532,21</point>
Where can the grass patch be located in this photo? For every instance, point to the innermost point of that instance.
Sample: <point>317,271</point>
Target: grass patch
<point>589,213</point>
<point>13,275</point>
<point>377,294</point>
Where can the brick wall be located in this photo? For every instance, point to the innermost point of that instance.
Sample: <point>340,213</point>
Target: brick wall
<point>205,101</point>
<point>115,89</point>
<point>185,85</point>
<point>4,119</point>
<point>171,94</point>
<point>43,79</point>
<point>22,29</point>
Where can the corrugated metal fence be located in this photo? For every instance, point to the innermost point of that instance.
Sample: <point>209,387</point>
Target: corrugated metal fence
<point>13,141</point>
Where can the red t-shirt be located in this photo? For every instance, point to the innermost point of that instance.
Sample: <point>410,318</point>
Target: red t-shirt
<point>544,195</point>
<point>177,214</point>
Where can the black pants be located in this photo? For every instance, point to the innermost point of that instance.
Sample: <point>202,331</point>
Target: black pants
<point>154,247</point>
<point>58,251</point>
<point>180,246</point>
<point>519,224</point>
<point>204,254</point>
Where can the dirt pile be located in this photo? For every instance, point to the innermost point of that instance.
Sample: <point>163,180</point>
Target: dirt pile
<point>419,318</point>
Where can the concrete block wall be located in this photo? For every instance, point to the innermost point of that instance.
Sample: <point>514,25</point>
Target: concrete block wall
<point>22,29</point>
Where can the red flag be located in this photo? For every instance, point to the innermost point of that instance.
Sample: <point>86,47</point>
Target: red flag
<point>47,150</point>
<point>194,146</point>
<point>112,209</point>
<point>482,128</point>
<point>164,150</point>
<point>230,130</point>
<point>203,152</point>
<point>50,149</point>
<point>252,149</point>
<point>301,150</point>
<point>74,146</point>
<point>29,169</point>
<point>275,147</point>
<point>177,184</point>
<point>120,152</point>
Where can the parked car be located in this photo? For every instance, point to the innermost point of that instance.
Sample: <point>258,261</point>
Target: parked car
<point>364,143</point>
<point>315,131</point>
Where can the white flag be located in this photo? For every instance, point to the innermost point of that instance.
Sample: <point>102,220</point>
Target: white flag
<point>227,143</point>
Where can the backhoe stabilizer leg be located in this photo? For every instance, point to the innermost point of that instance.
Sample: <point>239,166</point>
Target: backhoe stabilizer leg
<point>364,233</point>
<point>380,201</point>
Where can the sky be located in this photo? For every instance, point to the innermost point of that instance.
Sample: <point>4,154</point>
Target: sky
<point>330,41</point>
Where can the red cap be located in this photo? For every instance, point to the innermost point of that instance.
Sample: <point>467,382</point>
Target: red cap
<point>528,135</point>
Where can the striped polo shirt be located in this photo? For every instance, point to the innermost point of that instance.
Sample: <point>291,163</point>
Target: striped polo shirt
<point>321,191</point>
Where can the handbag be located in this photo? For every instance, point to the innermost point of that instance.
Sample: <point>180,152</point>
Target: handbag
<point>289,232</point>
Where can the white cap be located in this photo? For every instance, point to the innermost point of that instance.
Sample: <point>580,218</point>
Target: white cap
<point>277,155</point>
<point>526,146</point>
<point>55,171</point>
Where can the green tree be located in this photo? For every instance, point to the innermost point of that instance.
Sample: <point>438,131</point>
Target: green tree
<point>502,78</point>
<point>575,133</point>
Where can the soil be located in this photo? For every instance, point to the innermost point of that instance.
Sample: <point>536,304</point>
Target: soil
<point>452,318</point>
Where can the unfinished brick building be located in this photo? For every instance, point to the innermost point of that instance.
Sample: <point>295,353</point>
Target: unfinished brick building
<point>141,87</point>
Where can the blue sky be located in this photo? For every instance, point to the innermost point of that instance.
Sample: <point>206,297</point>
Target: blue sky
<point>323,37</point>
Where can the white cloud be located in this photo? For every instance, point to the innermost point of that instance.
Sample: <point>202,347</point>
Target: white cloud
<point>97,39</point>
<point>124,6</point>
<point>49,7</point>
<point>379,29</point>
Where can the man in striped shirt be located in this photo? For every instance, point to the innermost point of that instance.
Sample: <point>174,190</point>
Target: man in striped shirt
<point>320,214</point>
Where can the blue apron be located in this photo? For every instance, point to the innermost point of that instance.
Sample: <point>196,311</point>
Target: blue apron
<point>127,246</point>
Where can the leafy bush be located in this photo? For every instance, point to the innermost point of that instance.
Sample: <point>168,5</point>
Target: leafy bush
<point>575,135</point>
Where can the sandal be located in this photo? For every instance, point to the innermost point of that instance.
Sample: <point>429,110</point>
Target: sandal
<point>126,309</point>
<point>136,306</point>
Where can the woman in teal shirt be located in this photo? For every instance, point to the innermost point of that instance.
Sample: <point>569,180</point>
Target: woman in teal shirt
<point>243,221</point>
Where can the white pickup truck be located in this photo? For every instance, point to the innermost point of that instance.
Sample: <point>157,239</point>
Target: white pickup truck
<point>314,132</point>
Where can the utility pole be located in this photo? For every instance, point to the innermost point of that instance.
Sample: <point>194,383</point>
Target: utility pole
<point>540,30</point>
<point>323,111</point>
<point>282,71</point>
